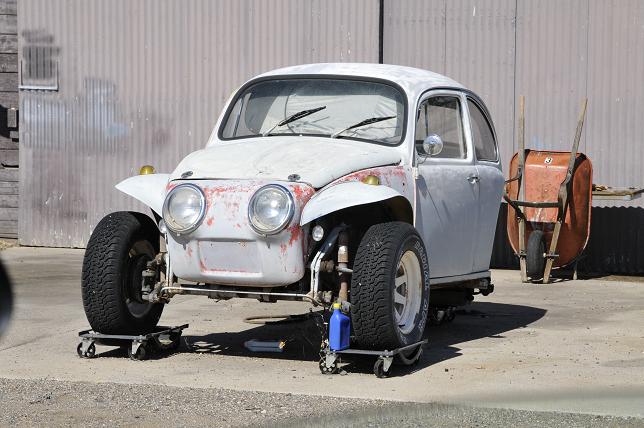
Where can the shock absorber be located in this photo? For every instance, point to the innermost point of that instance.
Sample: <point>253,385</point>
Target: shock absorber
<point>343,265</point>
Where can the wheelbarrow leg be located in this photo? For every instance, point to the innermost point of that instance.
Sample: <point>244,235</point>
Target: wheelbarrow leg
<point>522,251</point>
<point>552,252</point>
<point>521,217</point>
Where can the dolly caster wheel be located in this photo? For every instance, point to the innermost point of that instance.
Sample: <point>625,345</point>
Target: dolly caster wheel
<point>328,369</point>
<point>451,314</point>
<point>139,354</point>
<point>89,353</point>
<point>379,369</point>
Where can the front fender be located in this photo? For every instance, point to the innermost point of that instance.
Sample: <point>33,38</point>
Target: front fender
<point>345,195</point>
<point>149,189</point>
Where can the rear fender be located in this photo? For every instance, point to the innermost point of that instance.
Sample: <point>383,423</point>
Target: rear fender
<point>149,189</point>
<point>345,195</point>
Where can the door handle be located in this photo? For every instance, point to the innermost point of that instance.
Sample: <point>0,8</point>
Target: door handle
<point>473,179</point>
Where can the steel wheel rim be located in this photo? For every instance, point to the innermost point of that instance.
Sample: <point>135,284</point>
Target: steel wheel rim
<point>136,308</point>
<point>407,292</point>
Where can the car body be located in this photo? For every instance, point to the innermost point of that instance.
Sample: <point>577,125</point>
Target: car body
<point>273,210</point>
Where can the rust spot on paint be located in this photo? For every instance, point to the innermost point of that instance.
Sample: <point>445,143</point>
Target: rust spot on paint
<point>210,221</point>
<point>189,252</point>
<point>296,233</point>
<point>283,248</point>
<point>302,193</point>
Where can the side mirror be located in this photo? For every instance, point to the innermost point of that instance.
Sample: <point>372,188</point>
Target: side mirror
<point>432,145</point>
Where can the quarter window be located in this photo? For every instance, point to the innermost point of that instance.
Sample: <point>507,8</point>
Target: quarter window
<point>484,144</point>
<point>441,115</point>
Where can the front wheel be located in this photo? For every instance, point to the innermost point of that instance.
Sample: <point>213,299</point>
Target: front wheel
<point>116,256</point>
<point>390,287</point>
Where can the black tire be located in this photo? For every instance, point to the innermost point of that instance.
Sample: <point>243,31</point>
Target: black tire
<point>535,260</point>
<point>116,253</point>
<point>375,269</point>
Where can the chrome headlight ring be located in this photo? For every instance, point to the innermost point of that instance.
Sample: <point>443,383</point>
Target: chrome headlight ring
<point>273,199</point>
<point>172,223</point>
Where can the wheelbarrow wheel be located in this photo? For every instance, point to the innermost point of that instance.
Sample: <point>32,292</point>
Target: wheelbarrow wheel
<point>535,255</point>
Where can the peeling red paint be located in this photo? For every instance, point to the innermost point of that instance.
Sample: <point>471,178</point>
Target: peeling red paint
<point>283,248</point>
<point>296,233</point>
<point>302,193</point>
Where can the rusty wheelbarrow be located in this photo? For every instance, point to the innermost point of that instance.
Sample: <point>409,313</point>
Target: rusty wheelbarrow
<point>550,194</point>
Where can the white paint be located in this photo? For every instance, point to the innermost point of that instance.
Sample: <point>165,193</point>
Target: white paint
<point>318,161</point>
<point>344,195</point>
<point>149,189</point>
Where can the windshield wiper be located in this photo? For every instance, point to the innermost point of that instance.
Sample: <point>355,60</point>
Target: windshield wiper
<point>363,123</point>
<point>293,118</point>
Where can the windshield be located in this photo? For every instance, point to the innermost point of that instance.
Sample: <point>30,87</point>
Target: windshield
<point>338,108</point>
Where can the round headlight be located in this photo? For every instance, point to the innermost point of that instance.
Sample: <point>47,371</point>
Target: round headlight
<point>184,208</point>
<point>270,209</point>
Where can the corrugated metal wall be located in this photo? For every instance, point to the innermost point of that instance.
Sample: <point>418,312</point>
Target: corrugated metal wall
<point>142,82</point>
<point>555,53</point>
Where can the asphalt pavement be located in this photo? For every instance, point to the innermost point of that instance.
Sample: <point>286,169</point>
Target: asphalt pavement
<point>571,353</point>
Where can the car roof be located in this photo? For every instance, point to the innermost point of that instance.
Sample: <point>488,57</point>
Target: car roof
<point>412,80</point>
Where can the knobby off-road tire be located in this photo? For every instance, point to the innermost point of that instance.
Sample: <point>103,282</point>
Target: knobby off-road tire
<point>391,263</point>
<point>535,260</point>
<point>116,254</point>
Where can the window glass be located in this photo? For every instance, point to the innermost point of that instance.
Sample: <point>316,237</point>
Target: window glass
<point>484,144</point>
<point>342,105</point>
<point>442,116</point>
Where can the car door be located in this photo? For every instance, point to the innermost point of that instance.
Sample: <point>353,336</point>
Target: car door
<point>491,181</point>
<point>447,185</point>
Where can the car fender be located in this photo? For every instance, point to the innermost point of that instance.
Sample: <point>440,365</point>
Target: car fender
<point>149,189</point>
<point>344,195</point>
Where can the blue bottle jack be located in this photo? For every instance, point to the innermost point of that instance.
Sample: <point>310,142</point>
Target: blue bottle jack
<point>339,329</point>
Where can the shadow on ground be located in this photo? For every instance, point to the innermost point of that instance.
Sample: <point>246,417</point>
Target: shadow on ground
<point>479,320</point>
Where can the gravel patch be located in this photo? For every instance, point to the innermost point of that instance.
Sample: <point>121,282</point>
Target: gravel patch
<point>58,403</point>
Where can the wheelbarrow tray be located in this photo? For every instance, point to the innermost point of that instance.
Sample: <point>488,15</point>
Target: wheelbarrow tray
<point>543,176</point>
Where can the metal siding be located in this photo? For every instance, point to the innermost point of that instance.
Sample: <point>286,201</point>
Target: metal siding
<point>143,83</point>
<point>414,33</point>
<point>614,128</point>
<point>471,41</point>
<point>551,69</point>
<point>480,55</point>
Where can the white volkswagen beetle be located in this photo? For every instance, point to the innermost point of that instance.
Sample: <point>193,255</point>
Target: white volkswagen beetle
<point>362,184</point>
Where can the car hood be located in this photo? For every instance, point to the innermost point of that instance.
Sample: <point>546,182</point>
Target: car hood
<point>317,161</point>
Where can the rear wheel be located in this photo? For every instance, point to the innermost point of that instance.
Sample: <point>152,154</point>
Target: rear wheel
<point>116,256</point>
<point>389,287</point>
<point>535,260</point>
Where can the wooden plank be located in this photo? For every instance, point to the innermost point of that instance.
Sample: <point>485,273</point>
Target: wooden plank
<point>8,63</point>
<point>9,99</point>
<point>7,143</point>
<point>8,213</point>
<point>8,43</point>
<point>8,228</point>
<point>8,7</point>
<point>9,174</point>
<point>9,188</point>
<point>8,201</point>
<point>8,24</point>
<point>9,158</point>
<point>8,81</point>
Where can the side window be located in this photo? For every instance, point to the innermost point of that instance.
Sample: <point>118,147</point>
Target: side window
<point>484,144</point>
<point>442,115</point>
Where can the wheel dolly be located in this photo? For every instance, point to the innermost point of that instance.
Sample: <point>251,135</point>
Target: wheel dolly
<point>139,346</point>
<point>329,359</point>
